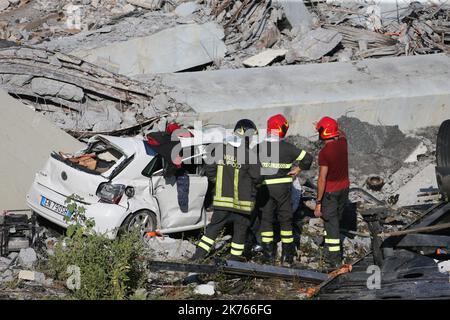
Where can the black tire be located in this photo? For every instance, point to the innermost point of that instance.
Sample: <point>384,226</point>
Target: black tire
<point>443,158</point>
<point>132,222</point>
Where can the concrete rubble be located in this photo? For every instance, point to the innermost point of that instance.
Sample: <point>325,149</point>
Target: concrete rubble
<point>69,91</point>
<point>369,30</point>
<point>169,248</point>
<point>27,257</point>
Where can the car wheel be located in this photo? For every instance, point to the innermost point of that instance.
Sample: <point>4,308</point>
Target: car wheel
<point>143,220</point>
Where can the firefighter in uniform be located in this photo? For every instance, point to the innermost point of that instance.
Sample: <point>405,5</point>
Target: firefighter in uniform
<point>280,162</point>
<point>332,187</point>
<point>235,176</point>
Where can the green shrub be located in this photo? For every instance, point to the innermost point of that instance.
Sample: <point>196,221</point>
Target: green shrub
<point>109,269</point>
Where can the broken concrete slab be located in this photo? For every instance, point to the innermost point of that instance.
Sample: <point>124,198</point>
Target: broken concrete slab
<point>109,120</point>
<point>426,179</point>
<point>314,45</point>
<point>171,50</point>
<point>48,87</point>
<point>296,13</point>
<point>75,86</point>
<point>264,58</point>
<point>377,91</point>
<point>27,141</point>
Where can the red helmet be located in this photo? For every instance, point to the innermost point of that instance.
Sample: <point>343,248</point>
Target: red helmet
<point>277,124</point>
<point>327,128</point>
<point>171,127</point>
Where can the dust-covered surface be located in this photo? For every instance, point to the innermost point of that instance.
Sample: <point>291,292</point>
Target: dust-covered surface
<point>377,150</point>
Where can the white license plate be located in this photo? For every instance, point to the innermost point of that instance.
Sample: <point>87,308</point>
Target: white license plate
<point>55,207</point>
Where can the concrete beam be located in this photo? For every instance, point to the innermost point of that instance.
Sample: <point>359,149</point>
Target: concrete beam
<point>410,92</point>
<point>27,139</point>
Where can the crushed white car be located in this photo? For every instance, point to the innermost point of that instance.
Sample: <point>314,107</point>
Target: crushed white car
<point>124,189</point>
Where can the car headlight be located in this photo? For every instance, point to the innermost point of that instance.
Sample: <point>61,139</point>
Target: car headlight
<point>110,193</point>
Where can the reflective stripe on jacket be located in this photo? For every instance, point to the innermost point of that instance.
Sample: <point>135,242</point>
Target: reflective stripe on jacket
<point>235,182</point>
<point>277,158</point>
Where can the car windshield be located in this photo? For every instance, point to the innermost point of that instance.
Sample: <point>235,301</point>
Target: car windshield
<point>98,158</point>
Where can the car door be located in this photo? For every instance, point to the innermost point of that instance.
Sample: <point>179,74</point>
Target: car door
<point>166,192</point>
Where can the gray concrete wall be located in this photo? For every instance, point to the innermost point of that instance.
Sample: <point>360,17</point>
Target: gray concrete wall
<point>26,141</point>
<point>411,92</point>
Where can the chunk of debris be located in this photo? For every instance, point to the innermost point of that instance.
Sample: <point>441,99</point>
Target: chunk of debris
<point>35,276</point>
<point>169,248</point>
<point>110,120</point>
<point>27,257</point>
<point>4,263</point>
<point>13,256</point>
<point>205,289</point>
<point>426,179</point>
<point>160,53</point>
<point>296,13</point>
<point>314,45</point>
<point>7,276</point>
<point>420,150</point>
<point>444,266</point>
<point>375,149</point>
<point>186,8</point>
<point>48,87</point>
<point>264,58</point>
<point>269,36</point>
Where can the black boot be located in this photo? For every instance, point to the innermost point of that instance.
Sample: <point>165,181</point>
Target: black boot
<point>288,253</point>
<point>268,250</point>
<point>333,261</point>
<point>199,255</point>
<point>233,257</point>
